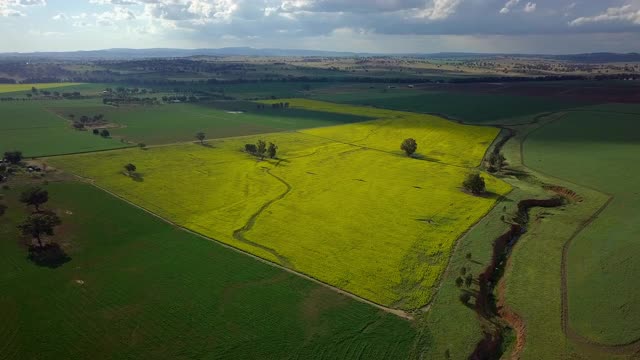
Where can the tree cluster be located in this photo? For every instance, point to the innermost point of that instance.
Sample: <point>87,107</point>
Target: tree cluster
<point>104,133</point>
<point>13,157</point>
<point>281,105</point>
<point>85,120</point>
<point>496,162</point>
<point>261,149</point>
<point>39,222</point>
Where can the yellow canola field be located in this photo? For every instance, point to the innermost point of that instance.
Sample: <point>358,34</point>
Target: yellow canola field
<point>438,139</point>
<point>5,88</point>
<point>374,223</point>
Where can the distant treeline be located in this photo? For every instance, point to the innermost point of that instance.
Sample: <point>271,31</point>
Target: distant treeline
<point>313,79</point>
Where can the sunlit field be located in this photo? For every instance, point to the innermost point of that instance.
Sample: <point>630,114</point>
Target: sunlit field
<point>376,223</point>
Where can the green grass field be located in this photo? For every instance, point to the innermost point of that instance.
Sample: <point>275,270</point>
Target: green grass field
<point>137,287</point>
<point>404,215</point>
<point>29,127</point>
<point>599,150</point>
<point>10,88</point>
<point>468,107</point>
<point>180,122</point>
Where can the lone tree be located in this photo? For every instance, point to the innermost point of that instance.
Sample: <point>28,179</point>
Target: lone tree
<point>409,146</point>
<point>38,224</point>
<point>201,136</point>
<point>474,184</point>
<point>13,157</point>
<point>272,150</point>
<point>35,197</point>
<point>261,148</point>
<point>105,133</point>
<point>130,168</point>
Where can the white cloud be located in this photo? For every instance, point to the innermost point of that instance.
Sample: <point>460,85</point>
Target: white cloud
<point>10,13</point>
<point>60,16</point>
<point>113,2</point>
<point>530,7</point>
<point>508,6</point>
<point>9,8</point>
<point>623,14</point>
<point>439,9</point>
<point>109,18</point>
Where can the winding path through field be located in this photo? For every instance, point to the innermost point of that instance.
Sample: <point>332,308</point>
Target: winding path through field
<point>239,233</point>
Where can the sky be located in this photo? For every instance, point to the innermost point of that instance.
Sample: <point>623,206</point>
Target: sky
<point>380,26</point>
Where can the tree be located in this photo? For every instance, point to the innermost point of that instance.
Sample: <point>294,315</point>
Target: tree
<point>496,161</point>
<point>130,168</point>
<point>465,297</point>
<point>105,133</point>
<point>272,150</point>
<point>475,184</point>
<point>13,157</point>
<point>261,148</point>
<point>468,280</point>
<point>38,224</point>
<point>201,136</point>
<point>3,209</point>
<point>409,146</point>
<point>459,281</point>
<point>34,196</point>
<point>96,132</point>
<point>251,148</point>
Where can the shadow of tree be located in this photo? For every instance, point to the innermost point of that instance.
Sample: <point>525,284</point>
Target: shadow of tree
<point>50,255</point>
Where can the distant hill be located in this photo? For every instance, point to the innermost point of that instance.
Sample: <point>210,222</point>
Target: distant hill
<point>124,54</point>
<point>600,57</point>
<point>120,54</point>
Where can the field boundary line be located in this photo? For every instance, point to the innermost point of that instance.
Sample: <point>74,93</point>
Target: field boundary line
<point>397,312</point>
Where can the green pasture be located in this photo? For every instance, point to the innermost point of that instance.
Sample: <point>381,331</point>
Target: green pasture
<point>169,123</point>
<point>599,150</point>
<point>136,288</point>
<point>30,127</point>
<point>472,108</point>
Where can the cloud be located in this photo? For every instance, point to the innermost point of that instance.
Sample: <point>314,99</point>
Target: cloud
<point>114,2</point>
<point>508,6</point>
<point>439,9</point>
<point>11,13</point>
<point>109,18</point>
<point>530,7</point>
<point>9,8</point>
<point>624,14</point>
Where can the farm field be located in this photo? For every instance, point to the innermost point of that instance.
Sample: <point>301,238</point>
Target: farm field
<point>9,88</point>
<point>136,287</point>
<point>179,122</point>
<point>29,127</point>
<point>441,138</point>
<point>465,106</point>
<point>602,304</point>
<point>285,210</point>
